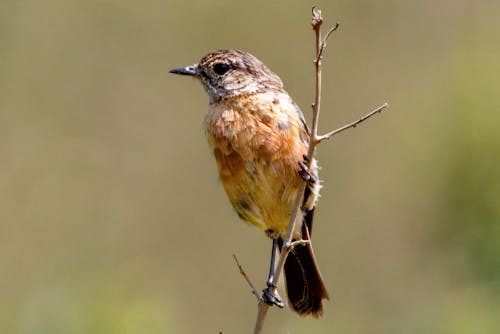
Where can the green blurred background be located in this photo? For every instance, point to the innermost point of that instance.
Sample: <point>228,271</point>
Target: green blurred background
<point>112,219</point>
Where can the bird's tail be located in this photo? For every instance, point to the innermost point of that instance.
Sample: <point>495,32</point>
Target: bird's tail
<point>304,284</point>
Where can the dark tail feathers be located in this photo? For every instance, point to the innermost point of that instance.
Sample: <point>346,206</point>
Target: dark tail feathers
<point>304,285</point>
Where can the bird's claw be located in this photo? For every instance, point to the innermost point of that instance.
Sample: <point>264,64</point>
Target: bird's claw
<point>305,173</point>
<point>272,298</point>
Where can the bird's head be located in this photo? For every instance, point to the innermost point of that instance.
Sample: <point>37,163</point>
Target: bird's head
<point>229,73</point>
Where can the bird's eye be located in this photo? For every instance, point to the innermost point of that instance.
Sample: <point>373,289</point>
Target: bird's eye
<point>221,68</point>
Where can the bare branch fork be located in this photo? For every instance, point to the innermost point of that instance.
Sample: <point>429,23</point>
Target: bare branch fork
<point>314,140</point>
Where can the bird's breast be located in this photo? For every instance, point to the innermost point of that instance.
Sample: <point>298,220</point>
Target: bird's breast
<point>262,125</point>
<point>257,145</point>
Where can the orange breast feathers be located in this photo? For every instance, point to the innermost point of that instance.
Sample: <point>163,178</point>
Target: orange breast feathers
<point>264,127</point>
<point>258,141</point>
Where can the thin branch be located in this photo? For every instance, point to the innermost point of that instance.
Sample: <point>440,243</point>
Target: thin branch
<point>261,316</point>
<point>317,21</point>
<point>297,205</point>
<point>244,274</point>
<point>323,42</point>
<point>332,29</point>
<point>314,140</point>
<point>352,124</point>
<point>297,242</point>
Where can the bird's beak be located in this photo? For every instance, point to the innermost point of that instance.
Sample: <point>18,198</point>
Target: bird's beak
<point>188,70</point>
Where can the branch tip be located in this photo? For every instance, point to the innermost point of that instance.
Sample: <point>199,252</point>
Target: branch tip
<point>317,19</point>
<point>352,124</point>
<point>332,29</point>
<point>244,274</point>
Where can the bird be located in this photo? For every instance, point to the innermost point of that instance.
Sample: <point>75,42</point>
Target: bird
<point>259,138</point>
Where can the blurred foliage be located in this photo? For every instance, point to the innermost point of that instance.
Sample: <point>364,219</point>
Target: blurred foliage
<point>111,216</point>
<point>472,177</point>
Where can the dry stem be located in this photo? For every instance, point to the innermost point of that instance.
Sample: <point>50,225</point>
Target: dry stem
<point>352,124</point>
<point>244,274</point>
<point>314,140</point>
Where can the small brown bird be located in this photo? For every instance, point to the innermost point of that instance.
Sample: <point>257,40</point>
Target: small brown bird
<point>259,139</point>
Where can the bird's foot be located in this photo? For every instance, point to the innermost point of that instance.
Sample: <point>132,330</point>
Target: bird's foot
<point>272,298</point>
<point>305,173</point>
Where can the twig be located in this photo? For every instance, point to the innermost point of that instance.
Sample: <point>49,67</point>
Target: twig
<point>261,316</point>
<point>323,42</point>
<point>352,124</point>
<point>298,242</point>
<point>244,274</point>
<point>314,140</point>
<point>317,20</point>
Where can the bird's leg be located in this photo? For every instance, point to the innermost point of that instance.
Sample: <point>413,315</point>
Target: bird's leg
<point>270,278</point>
<point>270,295</point>
<point>304,171</point>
